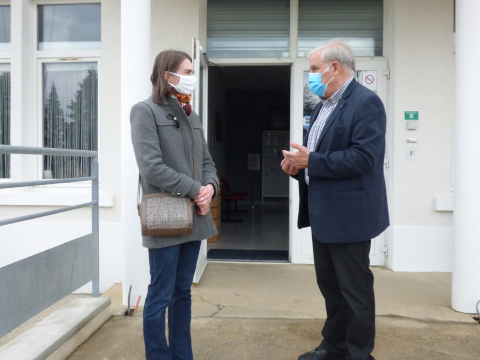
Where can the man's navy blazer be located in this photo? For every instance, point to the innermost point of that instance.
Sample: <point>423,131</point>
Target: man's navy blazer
<point>346,199</point>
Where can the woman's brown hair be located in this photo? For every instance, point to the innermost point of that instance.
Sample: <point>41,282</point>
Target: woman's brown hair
<point>168,60</point>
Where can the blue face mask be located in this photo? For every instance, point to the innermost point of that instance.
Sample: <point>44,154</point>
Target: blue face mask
<point>316,84</point>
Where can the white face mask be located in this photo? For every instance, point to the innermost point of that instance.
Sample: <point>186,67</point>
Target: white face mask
<point>186,84</point>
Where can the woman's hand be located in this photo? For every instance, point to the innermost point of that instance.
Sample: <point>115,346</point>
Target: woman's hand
<point>203,210</point>
<point>204,197</point>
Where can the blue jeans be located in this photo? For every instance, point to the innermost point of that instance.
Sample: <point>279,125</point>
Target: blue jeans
<point>171,276</point>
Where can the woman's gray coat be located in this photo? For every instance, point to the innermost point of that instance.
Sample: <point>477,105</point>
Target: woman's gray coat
<point>165,146</point>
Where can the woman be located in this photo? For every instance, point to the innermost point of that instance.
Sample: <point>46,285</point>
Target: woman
<point>168,141</point>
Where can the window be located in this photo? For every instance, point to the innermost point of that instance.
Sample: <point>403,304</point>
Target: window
<point>69,27</point>
<point>68,85</point>
<point>70,114</point>
<point>5,39</point>
<point>358,22</point>
<point>5,118</point>
<point>5,28</point>
<point>248,28</point>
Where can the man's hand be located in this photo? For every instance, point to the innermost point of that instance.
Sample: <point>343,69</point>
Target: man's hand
<point>288,167</point>
<point>204,197</point>
<point>298,159</point>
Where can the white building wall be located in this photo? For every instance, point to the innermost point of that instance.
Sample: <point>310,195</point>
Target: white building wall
<point>419,47</point>
<point>28,238</point>
<point>422,78</point>
<point>174,23</point>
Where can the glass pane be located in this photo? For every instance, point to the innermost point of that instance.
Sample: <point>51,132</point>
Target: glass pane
<point>69,27</point>
<point>4,118</point>
<point>70,116</point>
<point>310,100</point>
<point>200,96</point>
<point>248,28</point>
<point>5,28</point>
<point>358,22</point>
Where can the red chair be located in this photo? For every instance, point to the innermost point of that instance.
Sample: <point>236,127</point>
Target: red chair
<point>229,197</point>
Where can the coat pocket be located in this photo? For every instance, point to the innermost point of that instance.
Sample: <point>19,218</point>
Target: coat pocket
<point>166,122</point>
<point>168,119</point>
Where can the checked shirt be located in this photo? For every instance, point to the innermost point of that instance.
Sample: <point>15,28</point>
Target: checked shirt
<point>327,109</point>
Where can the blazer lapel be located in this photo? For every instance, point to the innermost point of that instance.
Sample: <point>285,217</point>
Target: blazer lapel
<point>338,108</point>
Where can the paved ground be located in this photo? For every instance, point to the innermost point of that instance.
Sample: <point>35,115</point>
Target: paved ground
<point>279,339</point>
<point>250,311</point>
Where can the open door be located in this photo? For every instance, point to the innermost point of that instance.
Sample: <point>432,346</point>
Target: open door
<point>200,104</point>
<point>371,72</point>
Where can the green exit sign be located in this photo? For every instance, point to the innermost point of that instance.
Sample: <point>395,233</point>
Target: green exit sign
<point>411,115</point>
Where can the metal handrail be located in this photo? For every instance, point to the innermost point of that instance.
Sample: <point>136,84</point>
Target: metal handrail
<point>44,182</point>
<point>24,150</point>
<point>45,213</point>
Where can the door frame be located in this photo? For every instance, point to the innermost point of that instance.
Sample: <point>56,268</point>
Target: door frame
<point>300,241</point>
<point>301,249</point>
<point>248,62</point>
<point>200,65</point>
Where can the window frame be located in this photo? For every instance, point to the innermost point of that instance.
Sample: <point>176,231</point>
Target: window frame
<point>60,53</point>
<point>66,56</point>
<point>39,107</point>
<point>262,59</point>
<point>6,58</point>
<point>8,61</point>
<point>294,23</point>
<point>6,54</point>
<point>384,24</point>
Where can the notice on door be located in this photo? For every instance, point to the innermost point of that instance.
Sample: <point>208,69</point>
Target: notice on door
<point>369,79</point>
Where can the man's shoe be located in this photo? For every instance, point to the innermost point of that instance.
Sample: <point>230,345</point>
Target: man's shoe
<point>318,354</point>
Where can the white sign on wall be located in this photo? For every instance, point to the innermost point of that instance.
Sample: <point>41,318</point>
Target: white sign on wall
<point>368,79</point>
<point>253,162</point>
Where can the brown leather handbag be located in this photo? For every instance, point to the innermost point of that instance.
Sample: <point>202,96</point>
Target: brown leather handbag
<point>162,214</point>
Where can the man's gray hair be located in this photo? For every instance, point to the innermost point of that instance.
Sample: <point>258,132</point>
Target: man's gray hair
<point>336,50</point>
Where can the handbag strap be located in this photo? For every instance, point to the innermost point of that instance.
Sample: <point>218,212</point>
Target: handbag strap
<point>138,192</point>
<point>140,175</point>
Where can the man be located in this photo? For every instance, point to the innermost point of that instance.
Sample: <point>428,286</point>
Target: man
<point>343,198</point>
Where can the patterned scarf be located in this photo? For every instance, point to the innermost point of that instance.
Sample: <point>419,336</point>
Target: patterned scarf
<point>184,101</point>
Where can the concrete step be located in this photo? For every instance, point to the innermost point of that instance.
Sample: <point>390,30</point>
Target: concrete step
<point>58,335</point>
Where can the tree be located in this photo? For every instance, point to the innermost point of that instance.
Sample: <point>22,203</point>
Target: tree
<point>310,100</point>
<point>83,120</point>
<point>54,131</point>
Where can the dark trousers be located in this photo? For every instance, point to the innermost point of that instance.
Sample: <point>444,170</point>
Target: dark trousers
<point>171,275</point>
<point>346,283</point>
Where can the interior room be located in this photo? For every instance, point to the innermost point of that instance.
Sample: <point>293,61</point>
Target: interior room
<point>249,123</point>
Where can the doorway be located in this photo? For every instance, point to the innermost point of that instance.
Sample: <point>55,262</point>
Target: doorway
<point>367,69</point>
<point>248,127</point>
